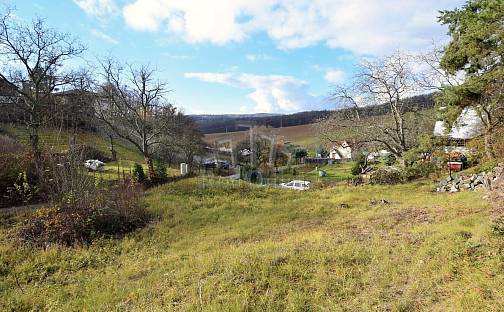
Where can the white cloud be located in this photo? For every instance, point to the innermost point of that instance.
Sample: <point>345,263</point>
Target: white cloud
<point>258,57</point>
<point>334,75</point>
<point>101,35</point>
<point>362,26</point>
<point>97,7</point>
<point>271,93</point>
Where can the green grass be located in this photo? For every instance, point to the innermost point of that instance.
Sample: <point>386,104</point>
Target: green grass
<point>223,246</point>
<point>334,173</point>
<point>60,141</point>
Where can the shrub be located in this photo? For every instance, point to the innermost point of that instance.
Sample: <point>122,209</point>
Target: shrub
<point>419,169</point>
<point>139,174</point>
<point>17,178</point>
<point>81,218</point>
<point>63,175</point>
<point>160,170</point>
<point>389,160</point>
<point>356,169</point>
<point>360,163</point>
<point>388,175</point>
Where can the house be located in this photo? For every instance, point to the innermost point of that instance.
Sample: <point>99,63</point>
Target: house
<point>467,126</point>
<point>341,152</point>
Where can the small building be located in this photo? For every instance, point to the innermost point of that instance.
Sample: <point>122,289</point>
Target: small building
<point>467,126</point>
<point>342,151</point>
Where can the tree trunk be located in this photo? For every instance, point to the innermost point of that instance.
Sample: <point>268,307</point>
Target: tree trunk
<point>112,149</point>
<point>150,166</point>
<point>489,151</point>
<point>34,144</point>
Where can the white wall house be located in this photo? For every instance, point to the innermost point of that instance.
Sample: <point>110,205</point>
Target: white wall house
<point>341,152</point>
<point>467,126</point>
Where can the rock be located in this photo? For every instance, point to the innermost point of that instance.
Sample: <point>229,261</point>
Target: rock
<point>486,183</point>
<point>471,182</point>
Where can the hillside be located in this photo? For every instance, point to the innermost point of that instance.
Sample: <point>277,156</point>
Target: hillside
<point>234,123</point>
<point>59,140</point>
<point>219,246</point>
<point>304,135</point>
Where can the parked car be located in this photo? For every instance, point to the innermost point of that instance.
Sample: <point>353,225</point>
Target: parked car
<point>94,165</point>
<point>298,185</point>
<point>212,163</point>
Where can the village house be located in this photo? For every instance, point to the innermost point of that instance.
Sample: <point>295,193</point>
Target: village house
<point>467,126</point>
<point>341,152</point>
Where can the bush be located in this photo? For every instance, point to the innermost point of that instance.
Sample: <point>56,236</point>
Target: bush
<point>360,163</point>
<point>389,160</point>
<point>419,169</point>
<point>356,169</point>
<point>388,175</point>
<point>160,170</point>
<point>81,218</point>
<point>17,177</point>
<point>139,174</point>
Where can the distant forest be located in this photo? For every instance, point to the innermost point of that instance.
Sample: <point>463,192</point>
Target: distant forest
<point>231,123</point>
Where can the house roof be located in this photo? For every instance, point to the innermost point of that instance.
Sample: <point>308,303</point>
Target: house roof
<point>467,126</point>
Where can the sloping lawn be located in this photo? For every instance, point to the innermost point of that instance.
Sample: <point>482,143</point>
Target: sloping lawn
<point>59,141</point>
<point>219,246</point>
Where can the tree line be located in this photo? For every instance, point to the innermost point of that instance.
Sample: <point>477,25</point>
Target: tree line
<point>467,73</point>
<point>40,88</point>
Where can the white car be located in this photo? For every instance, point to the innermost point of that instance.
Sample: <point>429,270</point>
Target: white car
<point>298,185</point>
<point>94,165</point>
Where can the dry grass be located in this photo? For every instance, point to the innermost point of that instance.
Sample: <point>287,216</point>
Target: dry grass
<point>220,246</point>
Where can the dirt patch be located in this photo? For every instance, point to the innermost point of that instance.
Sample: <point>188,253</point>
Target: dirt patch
<point>414,216</point>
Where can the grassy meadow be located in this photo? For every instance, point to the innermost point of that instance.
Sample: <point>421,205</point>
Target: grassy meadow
<point>217,245</point>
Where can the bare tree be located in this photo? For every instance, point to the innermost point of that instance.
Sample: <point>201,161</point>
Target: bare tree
<point>132,103</point>
<point>347,96</point>
<point>389,82</point>
<point>32,56</point>
<point>190,142</point>
<point>430,76</point>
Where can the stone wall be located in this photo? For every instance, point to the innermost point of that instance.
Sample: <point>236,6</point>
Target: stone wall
<point>471,182</point>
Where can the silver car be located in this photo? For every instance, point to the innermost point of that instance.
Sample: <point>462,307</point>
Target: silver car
<point>298,185</point>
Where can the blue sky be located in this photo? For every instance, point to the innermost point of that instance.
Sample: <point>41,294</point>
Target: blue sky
<point>245,56</point>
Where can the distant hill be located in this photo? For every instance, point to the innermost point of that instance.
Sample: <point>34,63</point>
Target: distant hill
<point>231,123</point>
